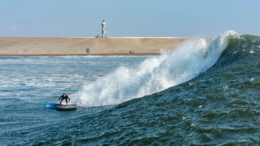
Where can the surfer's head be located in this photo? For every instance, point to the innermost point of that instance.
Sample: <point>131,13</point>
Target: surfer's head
<point>64,94</point>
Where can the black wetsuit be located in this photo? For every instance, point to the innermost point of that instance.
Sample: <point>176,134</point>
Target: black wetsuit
<point>62,98</point>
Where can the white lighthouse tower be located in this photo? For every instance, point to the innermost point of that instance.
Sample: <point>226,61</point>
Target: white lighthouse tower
<point>103,25</point>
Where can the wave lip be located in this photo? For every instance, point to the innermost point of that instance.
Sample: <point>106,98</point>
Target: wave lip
<point>155,73</point>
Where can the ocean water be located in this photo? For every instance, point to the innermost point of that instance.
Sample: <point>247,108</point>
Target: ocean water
<point>194,96</point>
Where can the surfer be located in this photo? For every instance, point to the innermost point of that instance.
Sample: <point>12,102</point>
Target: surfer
<point>64,96</point>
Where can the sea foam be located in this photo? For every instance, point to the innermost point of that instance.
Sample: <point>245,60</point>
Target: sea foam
<point>154,74</point>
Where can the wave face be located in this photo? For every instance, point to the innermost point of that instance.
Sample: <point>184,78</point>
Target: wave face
<point>154,74</point>
<point>220,106</point>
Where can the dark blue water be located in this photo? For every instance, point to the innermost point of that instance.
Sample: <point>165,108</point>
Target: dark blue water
<point>216,105</point>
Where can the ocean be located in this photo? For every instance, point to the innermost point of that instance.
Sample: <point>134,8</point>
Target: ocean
<point>193,96</point>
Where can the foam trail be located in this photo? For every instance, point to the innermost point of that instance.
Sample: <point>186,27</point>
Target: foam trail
<point>154,74</point>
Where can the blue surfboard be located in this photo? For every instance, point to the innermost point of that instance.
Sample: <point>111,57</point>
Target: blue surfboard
<point>70,106</point>
<point>50,105</point>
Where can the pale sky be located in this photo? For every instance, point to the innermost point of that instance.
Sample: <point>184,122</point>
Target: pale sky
<point>132,18</point>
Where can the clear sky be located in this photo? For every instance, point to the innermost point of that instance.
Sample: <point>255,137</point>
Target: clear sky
<point>132,18</point>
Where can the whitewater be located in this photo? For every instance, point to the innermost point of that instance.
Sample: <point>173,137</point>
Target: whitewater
<point>154,74</point>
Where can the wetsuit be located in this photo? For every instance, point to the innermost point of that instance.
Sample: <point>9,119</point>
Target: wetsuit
<point>62,98</point>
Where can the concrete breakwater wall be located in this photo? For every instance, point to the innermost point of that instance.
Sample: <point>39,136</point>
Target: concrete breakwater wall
<point>96,46</point>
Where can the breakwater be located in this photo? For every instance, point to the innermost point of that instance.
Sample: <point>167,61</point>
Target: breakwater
<point>97,46</point>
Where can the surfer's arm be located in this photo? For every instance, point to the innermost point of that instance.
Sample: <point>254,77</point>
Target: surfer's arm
<point>60,98</point>
<point>68,98</point>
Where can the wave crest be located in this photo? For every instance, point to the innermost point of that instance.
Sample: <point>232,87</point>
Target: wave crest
<point>154,74</point>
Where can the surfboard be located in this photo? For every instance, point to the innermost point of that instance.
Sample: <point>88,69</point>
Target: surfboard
<point>63,106</point>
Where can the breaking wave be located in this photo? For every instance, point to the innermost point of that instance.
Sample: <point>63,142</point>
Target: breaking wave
<point>155,73</point>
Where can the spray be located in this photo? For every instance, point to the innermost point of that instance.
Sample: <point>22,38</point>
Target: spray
<point>154,74</point>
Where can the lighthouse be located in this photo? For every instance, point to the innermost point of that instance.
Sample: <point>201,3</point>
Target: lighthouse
<point>103,25</point>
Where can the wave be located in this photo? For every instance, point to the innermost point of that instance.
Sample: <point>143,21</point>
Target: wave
<point>219,106</point>
<point>155,73</point>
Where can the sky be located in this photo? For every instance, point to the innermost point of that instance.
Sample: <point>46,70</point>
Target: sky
<point>128,18</point>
